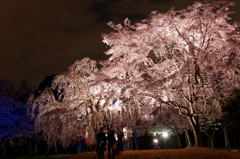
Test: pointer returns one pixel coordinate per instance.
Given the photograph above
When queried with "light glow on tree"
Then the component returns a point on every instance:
(187, 59)
(182, 61)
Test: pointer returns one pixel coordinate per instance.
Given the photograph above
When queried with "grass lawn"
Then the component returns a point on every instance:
(38, 157)
(187, 153)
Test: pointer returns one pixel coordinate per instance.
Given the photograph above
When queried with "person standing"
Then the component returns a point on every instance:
(101, 143)
(111, 142)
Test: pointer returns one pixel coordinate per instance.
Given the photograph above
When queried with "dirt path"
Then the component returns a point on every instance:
(188, 153)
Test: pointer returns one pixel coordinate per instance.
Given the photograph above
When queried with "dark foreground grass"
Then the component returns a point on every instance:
(187, 153)
(38, 157)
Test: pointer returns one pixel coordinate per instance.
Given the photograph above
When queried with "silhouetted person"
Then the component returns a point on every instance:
(83, 144)
(111, 141)
(120, 141)
(101, 143)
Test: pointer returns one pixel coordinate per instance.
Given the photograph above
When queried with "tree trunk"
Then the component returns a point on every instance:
(36, 147)
(211, 142)
(189, 143)
(196, 131)
(208, 142)
(226, 139)
(4, 149)
(179, 141)
(47, 151)
(55, 148)
(210, 138)
(29, 144)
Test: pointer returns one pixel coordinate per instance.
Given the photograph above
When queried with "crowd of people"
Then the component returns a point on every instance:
(108, 139)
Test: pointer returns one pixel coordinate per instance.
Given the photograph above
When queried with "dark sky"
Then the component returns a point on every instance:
(43, 37)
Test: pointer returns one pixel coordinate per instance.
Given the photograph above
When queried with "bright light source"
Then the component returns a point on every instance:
(165, 134)
(155, 141)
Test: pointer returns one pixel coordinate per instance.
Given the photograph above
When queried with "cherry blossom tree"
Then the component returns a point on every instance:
(83, 100)
(186, 59)
(209, 125)
(169, 118)
(59, 111)
(231, 114)
(77, 101)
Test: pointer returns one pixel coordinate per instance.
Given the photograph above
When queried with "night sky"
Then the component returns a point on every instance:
(43, 37)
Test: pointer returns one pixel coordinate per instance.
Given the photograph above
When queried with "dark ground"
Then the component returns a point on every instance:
(187, 153)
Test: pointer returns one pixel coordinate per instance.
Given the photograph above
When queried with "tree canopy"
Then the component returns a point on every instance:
(187, 60)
